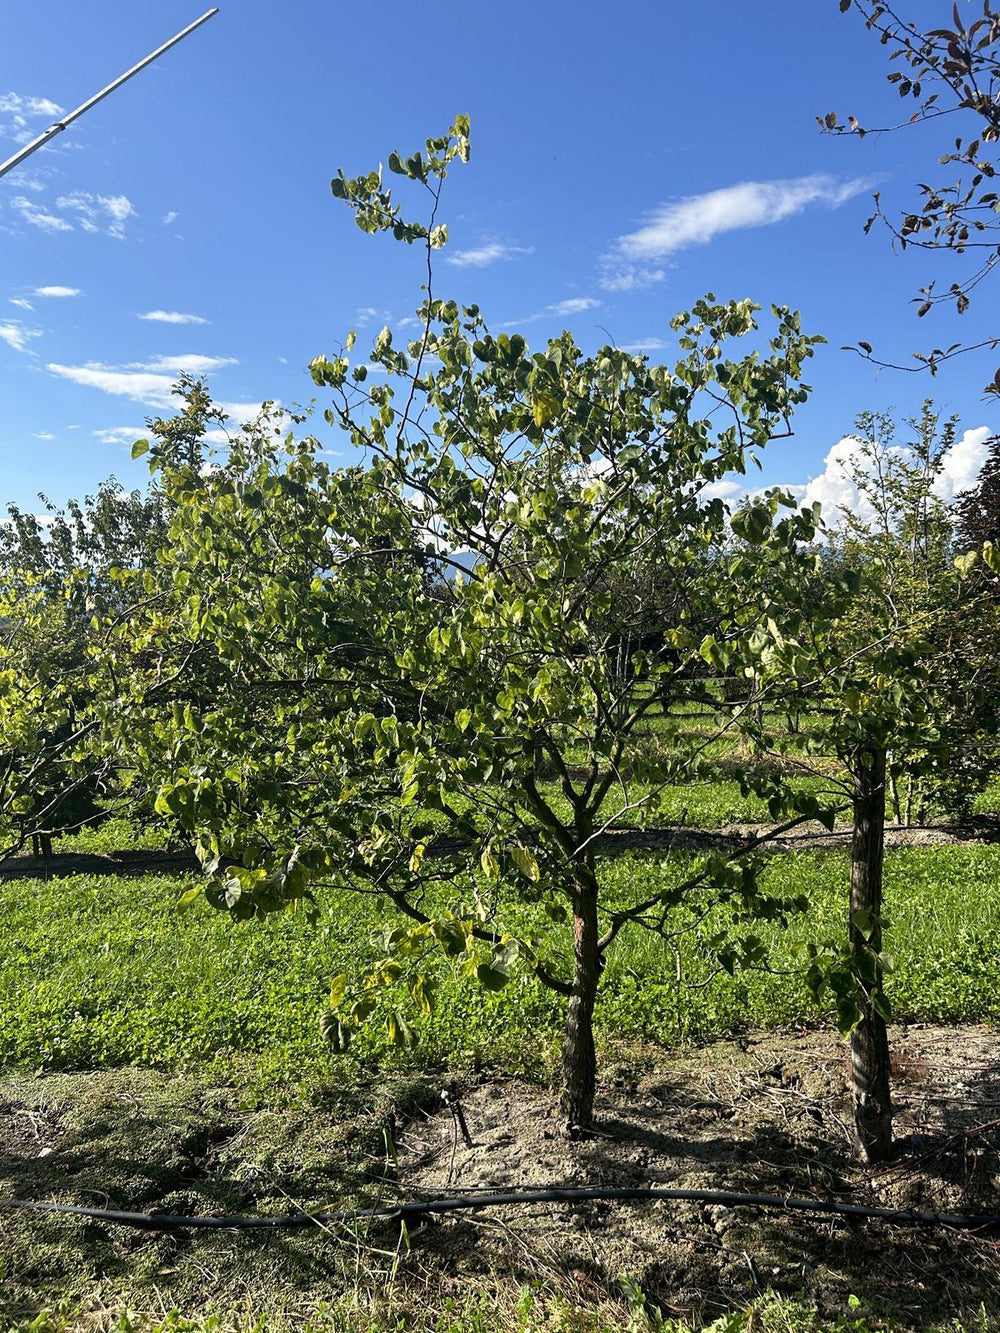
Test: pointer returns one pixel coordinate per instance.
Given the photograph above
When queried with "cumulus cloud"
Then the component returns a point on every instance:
(962, 464)
(99, 212)
(56, 291)
(170, 217)
(635, 259)
(491, 253)
(172, 317)
(837, 491)
(37, 216)
(15, 335)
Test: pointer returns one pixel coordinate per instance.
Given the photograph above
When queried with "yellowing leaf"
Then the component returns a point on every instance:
(545, 407)
(526, 863)
(338, 989)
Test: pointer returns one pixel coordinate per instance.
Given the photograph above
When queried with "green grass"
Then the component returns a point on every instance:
(100, 972)
(708, 804)
(529, 1311)
(115, 835)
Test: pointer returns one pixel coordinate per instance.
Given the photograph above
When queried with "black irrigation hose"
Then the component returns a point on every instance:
(402, 1211)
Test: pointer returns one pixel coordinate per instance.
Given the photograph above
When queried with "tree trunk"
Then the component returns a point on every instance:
(579, 1058)
(869, 1040)
(894, 794)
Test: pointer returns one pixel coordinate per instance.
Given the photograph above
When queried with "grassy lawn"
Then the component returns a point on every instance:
(100, 972)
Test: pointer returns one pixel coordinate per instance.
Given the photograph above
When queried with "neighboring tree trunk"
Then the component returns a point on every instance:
(869, 1040)
(41, 846)
(579, 1058)
(897, 814)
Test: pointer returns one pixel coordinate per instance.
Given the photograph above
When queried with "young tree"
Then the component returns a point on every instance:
(421, 655)
(895, 683)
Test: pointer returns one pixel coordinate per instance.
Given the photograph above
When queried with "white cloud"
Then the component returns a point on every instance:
(119, 434)
(574, 305)
(724, 490)
(645, 345)
(490, 253)
(56, 291)
(99, 212)
(38, 217)
(44, 435)
(618, 277)
(634, 260)
(150, 382)
(172, 317)
(142, 387)
(15, 335)
(240, 413)
(14, 104)
(170, 217)
(962, 464)
(21, 303)
(16, 112)
(188, 364)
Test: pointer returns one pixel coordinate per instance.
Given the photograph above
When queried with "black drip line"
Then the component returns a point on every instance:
(402, 1212)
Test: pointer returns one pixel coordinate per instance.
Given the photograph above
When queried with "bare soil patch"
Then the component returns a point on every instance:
(768, 1115)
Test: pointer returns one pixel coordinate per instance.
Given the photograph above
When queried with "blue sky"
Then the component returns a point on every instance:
(623, 164)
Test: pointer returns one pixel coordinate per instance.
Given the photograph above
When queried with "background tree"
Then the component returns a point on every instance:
(943, 74)
(58, 583)
(977, 510)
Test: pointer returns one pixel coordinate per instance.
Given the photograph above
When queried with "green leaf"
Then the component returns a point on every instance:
(334, 1032)
(139, 448)
(492, 977)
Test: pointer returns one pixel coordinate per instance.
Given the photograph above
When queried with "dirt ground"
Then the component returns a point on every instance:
(768, 1114)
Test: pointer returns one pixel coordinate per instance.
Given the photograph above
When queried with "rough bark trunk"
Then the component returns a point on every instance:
(579, 1057)
(869, 1040)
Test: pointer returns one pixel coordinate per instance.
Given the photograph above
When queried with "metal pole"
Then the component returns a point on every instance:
(60, 125)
